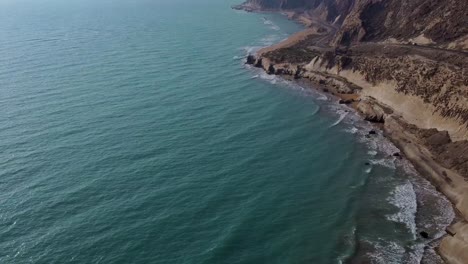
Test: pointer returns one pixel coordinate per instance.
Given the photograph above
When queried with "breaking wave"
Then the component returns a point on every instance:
(385, 162)
(404, 197)
(342, 114)
(271, 25)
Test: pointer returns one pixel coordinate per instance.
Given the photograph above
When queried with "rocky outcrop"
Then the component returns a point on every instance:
(371, 111)
(450, 154)
(250, 59)
(299, 71)
(429, 88)
(438, 138)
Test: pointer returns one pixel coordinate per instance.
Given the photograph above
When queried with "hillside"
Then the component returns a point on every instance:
(442, 23)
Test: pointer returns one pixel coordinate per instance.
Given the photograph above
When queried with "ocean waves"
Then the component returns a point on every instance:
(132, 133)
(404, 198)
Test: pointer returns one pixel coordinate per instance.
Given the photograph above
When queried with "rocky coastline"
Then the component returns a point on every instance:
(418, 96)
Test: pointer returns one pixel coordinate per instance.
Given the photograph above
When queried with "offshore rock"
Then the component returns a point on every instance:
(251, 59)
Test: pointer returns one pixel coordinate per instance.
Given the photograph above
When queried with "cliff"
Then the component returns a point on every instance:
(441, 23)
(428, 87)
(401, 63)
(437, 22)
(419, 94)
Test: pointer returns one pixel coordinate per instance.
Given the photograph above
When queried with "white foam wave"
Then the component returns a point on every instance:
(316, 110)
(251, 49)
(372, 152)
(352, 130)
(434, 203)
(269, 40)
(275, 27)
(266, 76)
(389, 163)
(270, 23)
(237, 57)
(387, 147)
(368, 170)
(342, 114)
(373, 145)
(390, 252)
(404, 197)
(322, 97)
(273, 79)
(416, 254)
(387, 253)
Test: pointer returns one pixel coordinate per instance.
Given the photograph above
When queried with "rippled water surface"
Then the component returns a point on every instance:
(131, 132)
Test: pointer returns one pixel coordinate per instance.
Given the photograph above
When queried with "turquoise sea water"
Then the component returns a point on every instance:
(131, 132)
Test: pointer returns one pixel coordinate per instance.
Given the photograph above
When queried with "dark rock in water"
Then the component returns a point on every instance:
(345, 101)
(271, 70)
(251, 59)
(258, 63)
(367, 164)
(325, 90)
(396, 154)
(298, 73)
(279, 72)
(372, 132)
(424, 234)
(374, 119)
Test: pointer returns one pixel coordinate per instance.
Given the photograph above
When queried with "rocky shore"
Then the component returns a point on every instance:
(418, 95)
(435, 144)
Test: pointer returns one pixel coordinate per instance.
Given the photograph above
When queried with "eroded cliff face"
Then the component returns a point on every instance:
(425, 22)
(419, 21)
(428, 87)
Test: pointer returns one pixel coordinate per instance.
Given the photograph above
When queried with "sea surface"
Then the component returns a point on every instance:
(132, 132)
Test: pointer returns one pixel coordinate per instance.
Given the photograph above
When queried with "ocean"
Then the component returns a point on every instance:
(132, 132)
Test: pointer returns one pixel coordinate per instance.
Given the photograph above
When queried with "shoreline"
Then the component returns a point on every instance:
(432, 243)
(404, 135)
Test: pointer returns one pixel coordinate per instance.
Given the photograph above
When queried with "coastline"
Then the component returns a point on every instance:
(404, 132)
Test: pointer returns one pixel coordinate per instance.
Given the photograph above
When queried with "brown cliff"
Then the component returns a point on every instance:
(441, 23)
